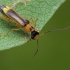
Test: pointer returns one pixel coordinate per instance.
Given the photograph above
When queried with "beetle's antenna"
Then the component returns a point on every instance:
(36, 50)
(55, 30)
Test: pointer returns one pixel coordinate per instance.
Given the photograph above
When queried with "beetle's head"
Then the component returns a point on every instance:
(34, 35)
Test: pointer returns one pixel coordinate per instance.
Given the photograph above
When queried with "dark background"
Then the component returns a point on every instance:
(54, 51)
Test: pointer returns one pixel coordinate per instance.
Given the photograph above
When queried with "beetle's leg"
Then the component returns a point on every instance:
(23, 1)
(33, 21)
(14, 4)
(9, 31)
(25, 34)
(6, 18)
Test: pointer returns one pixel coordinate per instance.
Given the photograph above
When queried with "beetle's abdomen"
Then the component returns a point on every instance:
(1, 8)
(13, 15)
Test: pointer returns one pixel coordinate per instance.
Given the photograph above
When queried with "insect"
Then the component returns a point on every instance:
(9, 13)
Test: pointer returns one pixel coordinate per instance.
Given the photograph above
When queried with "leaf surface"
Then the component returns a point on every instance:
(41, 9)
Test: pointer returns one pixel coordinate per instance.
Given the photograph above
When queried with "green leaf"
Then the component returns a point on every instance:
(41, 9)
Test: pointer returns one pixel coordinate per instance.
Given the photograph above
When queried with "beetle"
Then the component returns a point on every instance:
(9, 14)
